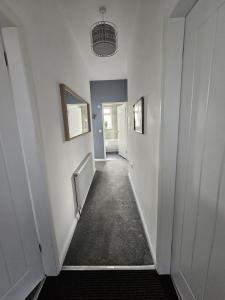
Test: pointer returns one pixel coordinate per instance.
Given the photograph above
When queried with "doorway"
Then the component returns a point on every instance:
(114, 118)
(110, 233)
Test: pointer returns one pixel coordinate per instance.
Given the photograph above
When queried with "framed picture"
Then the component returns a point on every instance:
(76, 113)
(138, 109)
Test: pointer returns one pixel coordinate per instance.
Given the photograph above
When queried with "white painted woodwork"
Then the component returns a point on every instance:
(198, 259)
(32, 148)
(122, 129)
(20, 259)
(172, 57)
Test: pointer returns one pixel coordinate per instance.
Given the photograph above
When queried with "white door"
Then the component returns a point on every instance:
(20, 258)
(122, 129)
(198, 259)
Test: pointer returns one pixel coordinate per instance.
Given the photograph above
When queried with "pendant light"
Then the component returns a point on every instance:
(104, 36)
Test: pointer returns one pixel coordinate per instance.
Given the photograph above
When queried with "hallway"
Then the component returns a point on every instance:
(112, 149)
(110, 230)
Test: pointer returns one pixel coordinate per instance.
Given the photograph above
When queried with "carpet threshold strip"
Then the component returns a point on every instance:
(96, 268)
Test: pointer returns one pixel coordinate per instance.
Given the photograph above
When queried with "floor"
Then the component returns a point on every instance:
(85, 285)
(112, 155)
(110, 230)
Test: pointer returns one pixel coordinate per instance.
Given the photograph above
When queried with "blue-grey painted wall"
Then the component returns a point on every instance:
(104, 91)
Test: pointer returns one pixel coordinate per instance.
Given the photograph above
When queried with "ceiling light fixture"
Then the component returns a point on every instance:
(104, 36)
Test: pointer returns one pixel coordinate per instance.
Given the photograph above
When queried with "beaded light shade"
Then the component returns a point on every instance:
(104, 37)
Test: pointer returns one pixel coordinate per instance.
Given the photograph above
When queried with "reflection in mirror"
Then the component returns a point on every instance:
(139, 116)
(75, 113)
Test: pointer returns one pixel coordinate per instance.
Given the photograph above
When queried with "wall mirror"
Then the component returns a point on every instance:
(139, 116)
(76, 113)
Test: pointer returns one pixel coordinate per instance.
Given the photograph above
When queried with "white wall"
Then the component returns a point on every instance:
(145, 79)
(54, 58)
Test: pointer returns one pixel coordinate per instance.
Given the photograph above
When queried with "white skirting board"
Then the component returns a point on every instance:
(143, 220)
(100, 159)
(176, 289)
(68, 239)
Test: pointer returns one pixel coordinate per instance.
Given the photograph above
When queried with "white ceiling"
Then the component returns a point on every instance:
(81, 14)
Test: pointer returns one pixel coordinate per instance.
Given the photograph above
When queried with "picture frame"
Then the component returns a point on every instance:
(138, 111)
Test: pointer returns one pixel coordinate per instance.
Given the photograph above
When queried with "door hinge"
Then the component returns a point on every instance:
(6, 59)
(40, 247)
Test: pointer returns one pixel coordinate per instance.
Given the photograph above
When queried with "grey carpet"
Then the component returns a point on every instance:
(112, 155)
(110, 230)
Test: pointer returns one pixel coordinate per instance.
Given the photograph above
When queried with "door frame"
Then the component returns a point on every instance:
(173, 43)
(174, 24)
(23, 91)
(103, 127)
(126, 129)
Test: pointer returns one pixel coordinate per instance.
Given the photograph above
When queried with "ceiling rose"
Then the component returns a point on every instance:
(104, 37)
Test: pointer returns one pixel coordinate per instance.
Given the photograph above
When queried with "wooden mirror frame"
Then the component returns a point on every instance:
(63, 89)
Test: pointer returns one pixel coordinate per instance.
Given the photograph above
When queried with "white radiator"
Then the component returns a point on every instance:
(83, 177)
(111, 145)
